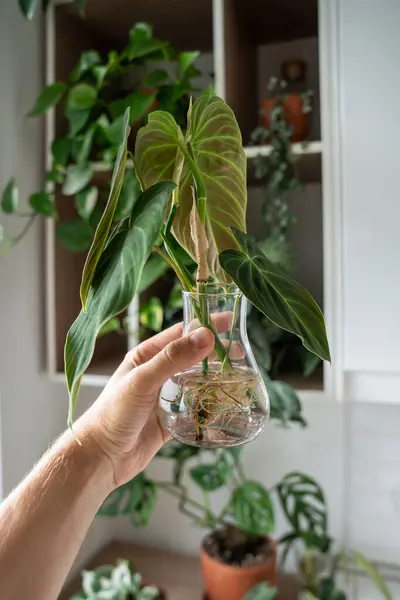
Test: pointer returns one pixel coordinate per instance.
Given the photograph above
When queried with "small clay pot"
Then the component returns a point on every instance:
(293, 115)
(227, 582)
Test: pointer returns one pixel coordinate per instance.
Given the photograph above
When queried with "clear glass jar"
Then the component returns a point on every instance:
(221, 401)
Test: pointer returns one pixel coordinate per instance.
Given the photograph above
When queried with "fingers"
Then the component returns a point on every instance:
(177, 356)
(221, 322)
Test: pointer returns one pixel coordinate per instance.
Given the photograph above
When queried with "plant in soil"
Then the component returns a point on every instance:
(116, 581)
(191, 200)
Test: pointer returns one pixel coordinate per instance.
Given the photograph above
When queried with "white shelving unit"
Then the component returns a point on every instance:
(234, 35)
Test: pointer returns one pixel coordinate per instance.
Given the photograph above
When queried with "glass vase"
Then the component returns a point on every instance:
(222, 401)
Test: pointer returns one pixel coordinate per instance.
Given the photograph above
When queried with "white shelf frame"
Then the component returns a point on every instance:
(329, 149)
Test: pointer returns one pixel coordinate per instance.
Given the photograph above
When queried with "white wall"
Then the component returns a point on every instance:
(33, 411)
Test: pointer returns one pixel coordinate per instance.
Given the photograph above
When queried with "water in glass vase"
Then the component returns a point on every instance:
(223, 400)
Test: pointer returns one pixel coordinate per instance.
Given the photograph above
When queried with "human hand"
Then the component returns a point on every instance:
(124, 421)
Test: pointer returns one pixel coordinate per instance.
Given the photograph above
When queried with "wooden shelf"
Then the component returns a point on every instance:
(187, 24)
(179, 575)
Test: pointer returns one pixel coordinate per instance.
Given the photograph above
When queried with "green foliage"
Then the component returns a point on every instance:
(43, 204)
(119, 582)
(137, 498)
(75, 235)
(278, 297)
(372, 572)
(262, 591)
(212, 476)
(252, 509)
(209, 158)
(48, 98)
(10, 197)
(152, 314)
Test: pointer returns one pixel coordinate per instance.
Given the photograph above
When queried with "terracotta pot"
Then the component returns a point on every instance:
(293, 114)
(226, 582)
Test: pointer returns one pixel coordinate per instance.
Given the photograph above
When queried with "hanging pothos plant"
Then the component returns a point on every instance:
(192, 196)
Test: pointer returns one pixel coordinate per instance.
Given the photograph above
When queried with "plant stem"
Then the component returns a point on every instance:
(180, 493)
(13, 241)
(240, 470)
(175, 266)
(226, 364)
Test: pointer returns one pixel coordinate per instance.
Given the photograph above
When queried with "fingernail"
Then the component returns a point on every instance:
(200, 337)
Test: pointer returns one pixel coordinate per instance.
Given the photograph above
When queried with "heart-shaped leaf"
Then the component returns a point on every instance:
(61, 148)
(103, 228)
(10, 197)
(285, 302)
(304, 505)
(77, 177)
(77, 119)
(115, 282)
(185, 60)
(48, 98)
(209, 158)
(211, 477)
(81, 97)
(43, 204)
(252, 509)
(139, 104)
(262, 591)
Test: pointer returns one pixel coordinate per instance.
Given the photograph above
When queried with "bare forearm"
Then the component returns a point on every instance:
(44, 521)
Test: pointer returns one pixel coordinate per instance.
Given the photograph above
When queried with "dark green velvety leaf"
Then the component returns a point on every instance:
(85, 202)
(10, 197)
(115, 282)
(77, 177)
(86, 61)
(151, 314)
(252, 509)
(285, 405)
(48, 98)
(185, 60)
(81, 96)
(60, 149)
(304, 505)
(75, 235)
(103, 228)
(153, 270)
(28, 8)
(77, 119)
(262, 591)
(130, 192)
(285, 302)
(43, 204)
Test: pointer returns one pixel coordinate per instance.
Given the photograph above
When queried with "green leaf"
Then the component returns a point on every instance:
(86, 201)
(153, 270)
(180, 454)
(252, 509)
(113, 325)
(151, 314)
(139, 104)
(281, 299)
(10, 197)
(285, 405)
(81, 97)
(77, 177)
(77, 119)
(373, 573)
(48, 98)
(75, 235)
(185, 60)
(43, 204)
(141, 43)
(115, 131)
(261, 591)
(86, 147)
(115, 282)
(86, 61)
(28, 8)
(60, 149)
(216, 166)
(103, 228)
(130, 192)
(156, 77)
(212, 476)
(125, 499)
(304, 505)
(56, 175)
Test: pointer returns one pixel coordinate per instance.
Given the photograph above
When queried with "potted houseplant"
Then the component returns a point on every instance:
(294, 106)
(116, 582)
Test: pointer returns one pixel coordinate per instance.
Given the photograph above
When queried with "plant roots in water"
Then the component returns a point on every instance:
(214, 410)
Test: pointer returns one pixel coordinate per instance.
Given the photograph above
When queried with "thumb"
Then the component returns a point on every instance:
(177, 356)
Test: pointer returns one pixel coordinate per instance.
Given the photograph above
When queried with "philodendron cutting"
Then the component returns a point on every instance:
(192, 201)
